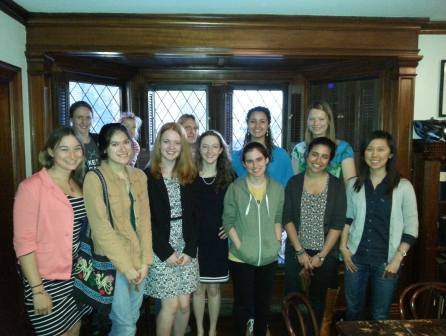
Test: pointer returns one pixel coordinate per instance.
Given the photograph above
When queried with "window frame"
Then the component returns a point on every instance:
(63, 84)
(284, 87)
(170, 86)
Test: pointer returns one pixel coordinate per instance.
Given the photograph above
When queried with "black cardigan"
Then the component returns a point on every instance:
(160, 215)
(335, 210)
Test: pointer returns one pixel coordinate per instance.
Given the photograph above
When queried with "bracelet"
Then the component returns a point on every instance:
(40, 284)
(321, 258)
(300, 252)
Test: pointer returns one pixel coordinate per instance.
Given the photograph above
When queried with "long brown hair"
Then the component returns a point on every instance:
(269, 141)
(184, 167)
(225, 173)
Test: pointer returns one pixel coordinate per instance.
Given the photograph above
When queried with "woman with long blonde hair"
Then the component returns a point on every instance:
(320, 123)
(174, 274)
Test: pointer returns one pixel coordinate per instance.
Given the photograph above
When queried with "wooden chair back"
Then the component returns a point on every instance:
(299, 316)
(423, 300)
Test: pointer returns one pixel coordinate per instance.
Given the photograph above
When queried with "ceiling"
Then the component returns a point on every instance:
(435, 10)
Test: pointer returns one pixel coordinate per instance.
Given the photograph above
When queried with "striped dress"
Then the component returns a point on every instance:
(65, 313)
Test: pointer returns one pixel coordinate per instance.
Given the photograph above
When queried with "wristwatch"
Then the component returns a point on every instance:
(403, 253)
(321, 258)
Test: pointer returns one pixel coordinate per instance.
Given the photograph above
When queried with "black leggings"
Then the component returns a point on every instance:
(253, 290)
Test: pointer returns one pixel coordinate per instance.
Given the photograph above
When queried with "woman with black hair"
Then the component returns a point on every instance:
(128, 242)
(258, 120)
(314, 216)
(382, 224)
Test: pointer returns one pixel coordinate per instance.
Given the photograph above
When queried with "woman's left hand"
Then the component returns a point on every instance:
(315, 261)
(184, 260)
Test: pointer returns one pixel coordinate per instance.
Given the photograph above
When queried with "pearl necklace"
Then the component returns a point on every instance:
(209, 183)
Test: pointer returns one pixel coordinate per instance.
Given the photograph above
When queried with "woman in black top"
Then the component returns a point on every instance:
(314, 215)
(215, 174)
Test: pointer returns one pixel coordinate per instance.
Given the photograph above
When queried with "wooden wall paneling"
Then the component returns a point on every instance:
(435, 27)
(12, 75)
(12, 314)
(224, 34)
(429, 158)
(217, 118)
(403, 115)
(41, 120)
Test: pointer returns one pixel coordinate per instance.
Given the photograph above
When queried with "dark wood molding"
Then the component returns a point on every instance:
(13, 76)
(434, 27)
(40, 107)
(223, 35)
(15, 11)
(95, 68)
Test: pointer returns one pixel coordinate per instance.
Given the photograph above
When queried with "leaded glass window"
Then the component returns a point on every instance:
(244, 100)
(168, 104)
(104, 99)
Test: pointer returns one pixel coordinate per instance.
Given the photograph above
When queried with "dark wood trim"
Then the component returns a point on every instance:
(15, 11)
(223, 35)
(13, 75)
(97, 69)
(434, 27)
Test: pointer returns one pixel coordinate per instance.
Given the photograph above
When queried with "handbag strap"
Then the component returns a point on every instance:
(104, 194)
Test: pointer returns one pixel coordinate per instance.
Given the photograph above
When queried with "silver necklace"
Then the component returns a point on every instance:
(208, 183)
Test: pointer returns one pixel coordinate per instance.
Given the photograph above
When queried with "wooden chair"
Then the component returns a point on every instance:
(423, 300)
(299, 316)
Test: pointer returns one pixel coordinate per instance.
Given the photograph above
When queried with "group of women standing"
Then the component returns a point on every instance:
(190, 204)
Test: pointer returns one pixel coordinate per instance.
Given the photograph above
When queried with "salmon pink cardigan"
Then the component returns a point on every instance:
(43, 224)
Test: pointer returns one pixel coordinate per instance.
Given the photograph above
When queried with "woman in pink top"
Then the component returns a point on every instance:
(48, 215)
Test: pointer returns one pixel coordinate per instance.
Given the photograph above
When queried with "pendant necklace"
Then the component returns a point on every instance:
(208, 183)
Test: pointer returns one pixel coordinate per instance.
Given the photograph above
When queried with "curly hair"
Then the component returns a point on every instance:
(184, 167)
(225, 173)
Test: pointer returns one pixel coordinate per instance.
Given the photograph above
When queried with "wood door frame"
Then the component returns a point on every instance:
(13, 75)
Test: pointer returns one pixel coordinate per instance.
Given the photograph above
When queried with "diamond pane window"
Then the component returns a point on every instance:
(104, 99)
(243, 101)
(168, 105)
